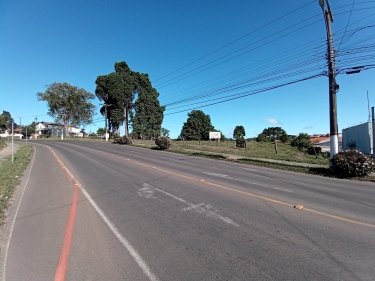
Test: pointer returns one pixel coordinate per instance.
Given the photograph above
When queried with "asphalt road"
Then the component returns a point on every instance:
(144, 214)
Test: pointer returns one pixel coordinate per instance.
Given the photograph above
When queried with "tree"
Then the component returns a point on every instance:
(68, 104)
(100, 131)
(3, 122)
(148, 115)
(164, 132)
(129, 79)
(110, 90)
(118, 91)
(239, 132)
(30, 129)
(6, 120)
(272, 134)
(197, 126)
(302, 141)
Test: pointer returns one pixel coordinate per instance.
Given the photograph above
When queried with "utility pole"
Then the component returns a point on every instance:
(126, 121)
(12, 141)
(106, 128)
(334, 143)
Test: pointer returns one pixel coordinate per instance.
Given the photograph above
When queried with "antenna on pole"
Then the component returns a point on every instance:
(368, 105)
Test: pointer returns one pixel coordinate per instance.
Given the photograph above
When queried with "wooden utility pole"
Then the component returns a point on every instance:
(334, 143)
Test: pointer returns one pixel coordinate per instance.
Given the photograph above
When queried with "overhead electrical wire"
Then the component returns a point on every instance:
(162, 85)
(240, 38)
(234, 41)
(245, 94)
(350, 15)
(224, 90)
(310, 61)
(353, 23)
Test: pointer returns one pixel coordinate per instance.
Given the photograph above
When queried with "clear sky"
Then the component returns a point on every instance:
(196, 53)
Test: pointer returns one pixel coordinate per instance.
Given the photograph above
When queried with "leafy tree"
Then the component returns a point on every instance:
(118, 91)
(3, 123)
(302, 141)
(239, 132)
(197, 126)
(109, 89)
(164, 132)
(6, 120)
(100, 131)
(148, 114)
(129, 79)
(272, 134)
(30, 129)
(68, 104)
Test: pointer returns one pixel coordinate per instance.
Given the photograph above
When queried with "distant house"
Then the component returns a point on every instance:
(17, 133)
(45, 128)
(53, 129)
(324, 142)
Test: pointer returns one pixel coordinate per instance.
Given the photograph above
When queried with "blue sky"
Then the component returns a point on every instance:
(191, 49)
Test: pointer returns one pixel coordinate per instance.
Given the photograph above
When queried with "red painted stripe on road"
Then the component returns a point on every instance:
(63, 262)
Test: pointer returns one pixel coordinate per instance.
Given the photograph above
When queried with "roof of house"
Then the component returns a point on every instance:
(319, 139)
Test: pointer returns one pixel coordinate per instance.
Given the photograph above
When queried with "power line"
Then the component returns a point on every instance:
(162, 85)
(236, 40)
(184, 91)
(245, 94)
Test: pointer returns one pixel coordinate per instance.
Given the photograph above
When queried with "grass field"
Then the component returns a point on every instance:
(254, 150)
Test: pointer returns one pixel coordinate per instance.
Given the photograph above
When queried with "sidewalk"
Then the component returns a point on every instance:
(7, 151)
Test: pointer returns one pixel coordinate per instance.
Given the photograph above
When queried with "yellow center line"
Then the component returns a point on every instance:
(247, 193)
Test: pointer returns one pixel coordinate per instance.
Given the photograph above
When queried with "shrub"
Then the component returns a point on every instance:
(163, 142)
(352, 163)
(301, 142)
(123, 140)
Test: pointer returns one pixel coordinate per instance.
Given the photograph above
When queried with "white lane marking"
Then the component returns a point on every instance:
(133, 252)
(9, 236)
(209, 211)
(177, 160)
(202, 208)
(281, 189)
(217, 175)
(263, 171)
(147, 191)
(254, 183)
(248, 169)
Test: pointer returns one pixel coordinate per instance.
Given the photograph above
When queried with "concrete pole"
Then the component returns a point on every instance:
(373, 131)
(334, 142)
(12, 141)
(106, 126)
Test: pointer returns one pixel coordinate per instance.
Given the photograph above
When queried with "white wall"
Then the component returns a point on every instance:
(361, 135)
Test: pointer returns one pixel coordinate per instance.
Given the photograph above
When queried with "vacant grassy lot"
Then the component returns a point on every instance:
(254, 150)
(10, 175)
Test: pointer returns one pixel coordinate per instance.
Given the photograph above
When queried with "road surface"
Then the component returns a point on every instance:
(100, 211)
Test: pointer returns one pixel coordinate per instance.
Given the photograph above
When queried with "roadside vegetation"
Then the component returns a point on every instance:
(10, 175)
(2, 144)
